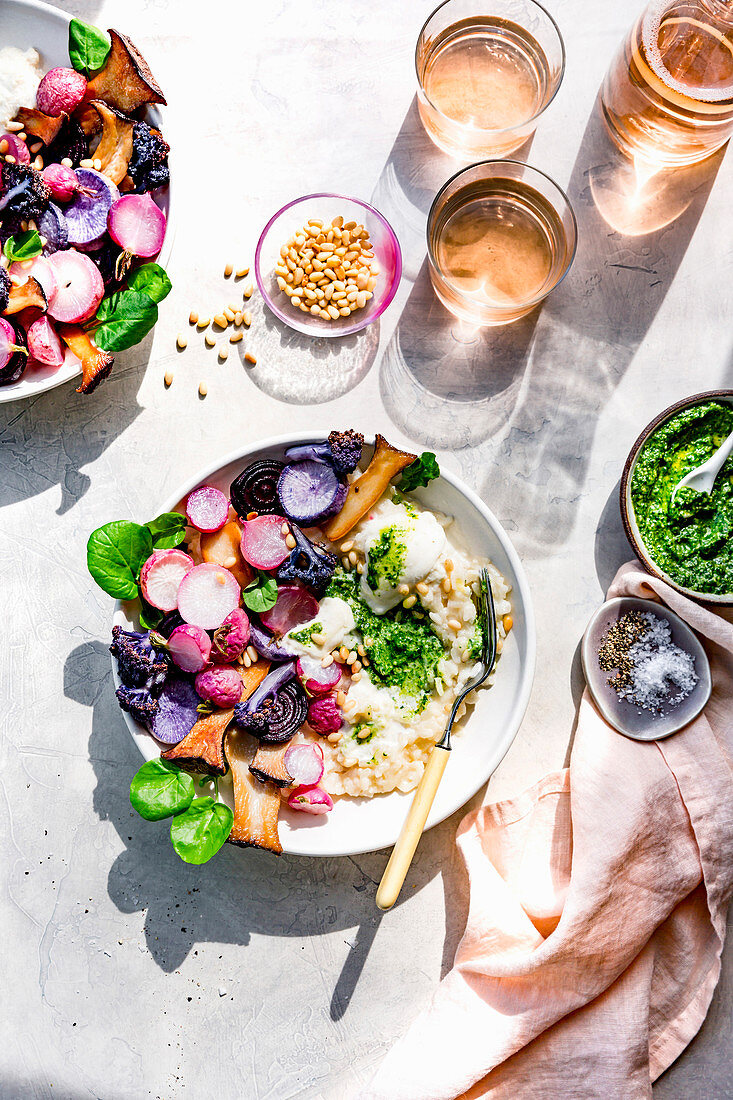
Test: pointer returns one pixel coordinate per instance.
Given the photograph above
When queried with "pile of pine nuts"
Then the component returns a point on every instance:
(328, 271)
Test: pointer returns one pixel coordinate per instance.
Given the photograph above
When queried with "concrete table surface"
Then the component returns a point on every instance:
(126, 973)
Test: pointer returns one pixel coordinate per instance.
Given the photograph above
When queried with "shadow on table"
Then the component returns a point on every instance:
(48, 439)
(240, 892)
(304, 370)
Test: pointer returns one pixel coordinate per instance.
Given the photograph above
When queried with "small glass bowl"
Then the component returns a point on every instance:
(290, 220)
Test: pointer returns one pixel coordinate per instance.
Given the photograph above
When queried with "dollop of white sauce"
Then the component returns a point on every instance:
(335, 621)
(20, 75)
(424, 541)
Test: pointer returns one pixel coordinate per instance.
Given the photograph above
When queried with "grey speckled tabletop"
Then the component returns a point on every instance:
(127, 974)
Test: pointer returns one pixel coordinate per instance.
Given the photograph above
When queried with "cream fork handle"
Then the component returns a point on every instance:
(408, 840)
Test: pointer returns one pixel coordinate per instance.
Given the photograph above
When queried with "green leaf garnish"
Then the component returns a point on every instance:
(160, 789)
(261, 594)
(124, 319)
(168, 530)
(199, 832)
(23, 246)
(150, 279)
(420, 472)
(150, 617)
(115, 555)
(88, 47)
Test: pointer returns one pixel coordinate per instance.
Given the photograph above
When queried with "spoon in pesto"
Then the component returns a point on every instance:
(399, 862)
(702, 478)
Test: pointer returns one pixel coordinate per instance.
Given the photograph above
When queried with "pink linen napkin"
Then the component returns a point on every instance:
(597, 912)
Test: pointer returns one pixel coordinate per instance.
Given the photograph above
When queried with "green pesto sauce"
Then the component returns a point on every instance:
(476, 644)
(688, 538)
(403, 650)
(305, 635)
(387, 558)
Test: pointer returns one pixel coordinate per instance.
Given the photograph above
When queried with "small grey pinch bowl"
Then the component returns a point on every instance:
(626, 717)
(628, 517)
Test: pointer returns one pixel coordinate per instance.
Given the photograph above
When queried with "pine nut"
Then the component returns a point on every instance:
(247, 319)
(352, 557)
(247, 292)
(203, 322)
(403, 589)
(422, 588)
(508, 622)
(448, 565)
(237, 319)
(409, 602)
(356, 676)
(290, 542)
(246, 661)
(241, 272)
(228, 269)
(340, 698)
(334, 738)
(203, 389)
(230, 315)
(97, 164)
(346, 546)
(236, 337)
(15, 127)
(220, 320)
(454, 624)
(67, 161)
(182, 342)
(209, 340)
(250, 358)
(168, 378)
(446, 584)
(252, 653)
(356, 666)
(193, 317)
(224, 353)
(317, 637)
(327, 661)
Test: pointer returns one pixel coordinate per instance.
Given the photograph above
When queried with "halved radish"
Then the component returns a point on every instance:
(137, 224)
(316, 679)
(189, 647)
(80, 287)
(207, 509)
(41, 269)
(304, 763)
(207, 595)
(263, 542)
(312, 800)
(44, 343)
(293, 606)
(161, 576)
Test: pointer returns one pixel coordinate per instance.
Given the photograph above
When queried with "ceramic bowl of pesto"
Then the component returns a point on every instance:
(688, 541)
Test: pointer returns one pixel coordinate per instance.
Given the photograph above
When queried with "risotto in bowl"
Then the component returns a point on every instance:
(383, 648)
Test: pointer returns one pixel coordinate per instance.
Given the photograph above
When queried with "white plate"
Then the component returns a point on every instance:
(366, 824)
(26, 24)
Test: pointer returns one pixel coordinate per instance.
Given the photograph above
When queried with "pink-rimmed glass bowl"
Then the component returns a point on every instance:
(290, 220)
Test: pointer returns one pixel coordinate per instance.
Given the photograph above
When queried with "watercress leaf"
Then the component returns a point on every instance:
(199, 832)
(115, 555)
(23, 246)
(420, 472)
(124, 319)
(261, 594)
(168, 530)
(88, 47)
(150, 617)
(152, 280)
(161, 789)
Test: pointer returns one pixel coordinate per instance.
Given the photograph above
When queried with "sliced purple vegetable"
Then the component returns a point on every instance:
(177, 712)
(266, 645)
(13, 353)
(276, 678)
(86, 214)
(309, 452)
(53, 228)
(310, 491)
(279, 717)
(255, 489)
(207, 509)
(308, 563)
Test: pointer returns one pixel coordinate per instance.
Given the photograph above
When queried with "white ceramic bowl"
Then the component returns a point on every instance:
(362, 824)
(26, 24)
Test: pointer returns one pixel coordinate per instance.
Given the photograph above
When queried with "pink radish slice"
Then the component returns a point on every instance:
(207, 595)
(263, 542)
(293, 606)
(161, 576)
(17, 148)
(304, 763)
(44, 343)
(137, 224)
(80, 287)
(316, 679)
(189, 647)
(207, 509)
(312, 800)
(41, 269)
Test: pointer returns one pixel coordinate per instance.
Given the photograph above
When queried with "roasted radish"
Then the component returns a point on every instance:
(304, 762)
(137, 224)
(293, 606)
(189, 647)
(207, 509)
(316, 679)
(207, 595)
(263, 542)
(312, 800)
(44, 343)
(79, 287)
(161, 576)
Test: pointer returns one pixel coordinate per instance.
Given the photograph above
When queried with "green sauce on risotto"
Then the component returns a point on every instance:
(387, 558)
(305, 635)
(403, 650)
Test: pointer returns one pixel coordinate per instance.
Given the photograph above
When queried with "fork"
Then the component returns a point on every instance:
(409, 838)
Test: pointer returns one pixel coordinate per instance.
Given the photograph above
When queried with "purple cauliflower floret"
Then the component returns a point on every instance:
(345, 448)
(308, 564)
(139, 703)
(138, 662)
(4, 289)
(25, 194)
(324, 715)
(148, 165)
